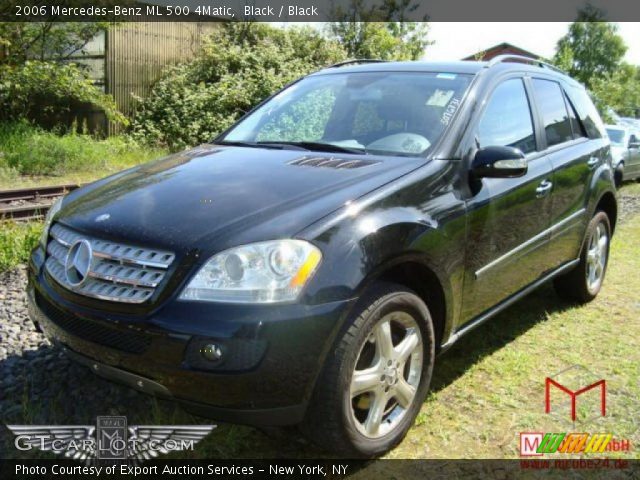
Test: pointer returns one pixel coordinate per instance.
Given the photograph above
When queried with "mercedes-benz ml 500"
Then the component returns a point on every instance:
(307, 265)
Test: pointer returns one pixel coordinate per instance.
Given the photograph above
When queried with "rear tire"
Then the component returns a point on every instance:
(583, 283)
(374, 381)
(618, 175)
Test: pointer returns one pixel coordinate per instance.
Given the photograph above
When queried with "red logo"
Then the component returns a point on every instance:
(573, 394)
(529, 443)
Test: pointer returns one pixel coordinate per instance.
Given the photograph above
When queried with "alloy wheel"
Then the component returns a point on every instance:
(597, 257)
(386, 375)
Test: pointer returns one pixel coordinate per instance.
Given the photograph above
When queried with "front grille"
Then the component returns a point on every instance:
(117, 272)
(331, 162)
(131, 342)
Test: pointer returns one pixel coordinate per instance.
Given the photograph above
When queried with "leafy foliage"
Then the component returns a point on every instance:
(36, 79)
(363, 33)
(619, 91)
(592, 52)
(22, 41)
(240, 65)
(37, 89)
(16, 242)
(592, 47)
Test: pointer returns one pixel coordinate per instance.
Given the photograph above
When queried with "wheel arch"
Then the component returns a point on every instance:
(415, 274)
(609, 205)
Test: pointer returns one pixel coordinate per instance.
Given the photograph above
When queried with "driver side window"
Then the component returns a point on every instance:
(506, 121)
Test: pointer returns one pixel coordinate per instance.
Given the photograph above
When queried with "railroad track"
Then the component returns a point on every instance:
(30, 203)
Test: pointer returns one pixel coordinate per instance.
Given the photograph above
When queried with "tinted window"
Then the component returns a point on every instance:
(586, 111)
(576, 125)
(507, 119)
(557, 125)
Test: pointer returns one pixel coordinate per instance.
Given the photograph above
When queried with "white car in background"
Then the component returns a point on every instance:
(625, 151)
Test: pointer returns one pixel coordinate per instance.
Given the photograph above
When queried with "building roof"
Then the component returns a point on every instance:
(501, 49)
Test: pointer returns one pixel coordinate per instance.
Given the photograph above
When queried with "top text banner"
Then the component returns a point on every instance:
(312, 10)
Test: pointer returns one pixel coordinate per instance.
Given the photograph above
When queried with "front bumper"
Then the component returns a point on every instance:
(271, 355)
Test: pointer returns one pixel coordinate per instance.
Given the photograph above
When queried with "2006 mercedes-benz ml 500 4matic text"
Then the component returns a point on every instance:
(307, 266)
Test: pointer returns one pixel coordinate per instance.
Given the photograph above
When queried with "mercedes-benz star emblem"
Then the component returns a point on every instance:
(78, 263)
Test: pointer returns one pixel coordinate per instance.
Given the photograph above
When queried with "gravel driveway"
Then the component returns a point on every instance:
(38, 385)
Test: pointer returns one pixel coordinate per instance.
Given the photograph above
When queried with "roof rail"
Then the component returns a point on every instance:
(523, 59)
(355, 61)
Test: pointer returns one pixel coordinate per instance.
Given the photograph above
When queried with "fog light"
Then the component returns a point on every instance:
(211, 352)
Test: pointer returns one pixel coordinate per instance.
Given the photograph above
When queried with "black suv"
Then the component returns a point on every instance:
(307, 265)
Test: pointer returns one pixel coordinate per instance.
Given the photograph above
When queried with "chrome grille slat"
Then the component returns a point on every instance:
(118, 273)
(114, 272)
(115, 251)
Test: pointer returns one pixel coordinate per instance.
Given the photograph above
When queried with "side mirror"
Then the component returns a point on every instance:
(499, 162)
(634, 144)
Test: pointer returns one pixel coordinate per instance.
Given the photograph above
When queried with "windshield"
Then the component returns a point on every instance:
(396, 113)
(616, 136)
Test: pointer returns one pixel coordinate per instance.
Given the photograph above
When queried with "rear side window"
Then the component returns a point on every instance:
(576, 125)
(506, 120)
(555, 117)
(586, 111)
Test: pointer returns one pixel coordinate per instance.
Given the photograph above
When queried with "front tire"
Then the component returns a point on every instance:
(583, 283)
(375, 380)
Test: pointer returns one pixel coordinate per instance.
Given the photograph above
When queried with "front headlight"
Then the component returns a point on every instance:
(55, 208)
(265, 272)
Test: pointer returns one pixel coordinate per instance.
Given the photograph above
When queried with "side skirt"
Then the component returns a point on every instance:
(482, 318)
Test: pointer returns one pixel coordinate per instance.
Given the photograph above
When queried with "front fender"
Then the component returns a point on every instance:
(364, 242)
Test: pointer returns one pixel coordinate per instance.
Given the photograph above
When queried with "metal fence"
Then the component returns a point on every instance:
(136, 54)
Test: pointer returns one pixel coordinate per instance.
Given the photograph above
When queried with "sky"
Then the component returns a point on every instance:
(456, 40)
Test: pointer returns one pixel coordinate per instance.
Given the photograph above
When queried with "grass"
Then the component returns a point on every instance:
(16, 242)
(30, 156)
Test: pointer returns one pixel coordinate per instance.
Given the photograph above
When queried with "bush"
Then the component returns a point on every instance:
(16, 242)
(240, 65)
(47, 90)
(28, 150)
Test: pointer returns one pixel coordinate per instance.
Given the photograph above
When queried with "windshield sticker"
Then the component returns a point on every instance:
(447, 76)
(440, 98)
(450, 111)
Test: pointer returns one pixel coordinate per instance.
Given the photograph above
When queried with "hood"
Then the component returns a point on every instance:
(233, 195)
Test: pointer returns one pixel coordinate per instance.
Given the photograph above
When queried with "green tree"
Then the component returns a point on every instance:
(38, 79)
(619, 91)
(45, 41)
(380, 31)
(240, 65)
(591, 48)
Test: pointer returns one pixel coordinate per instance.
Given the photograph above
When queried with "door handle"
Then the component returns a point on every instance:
(593, 161)
(544, 188)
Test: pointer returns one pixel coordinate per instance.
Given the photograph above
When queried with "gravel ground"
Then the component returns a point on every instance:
(38, 385)
(629, 203)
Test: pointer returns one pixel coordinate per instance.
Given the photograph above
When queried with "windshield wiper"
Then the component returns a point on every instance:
(323, 147)
(247, 144)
